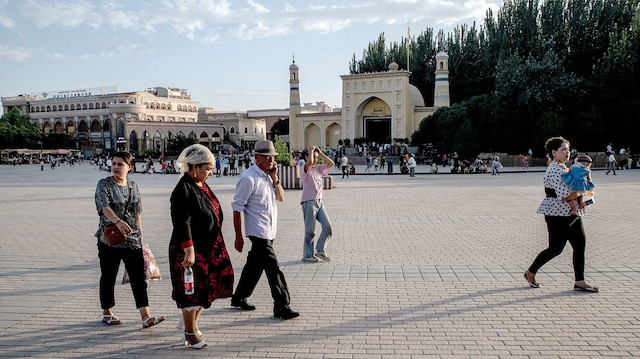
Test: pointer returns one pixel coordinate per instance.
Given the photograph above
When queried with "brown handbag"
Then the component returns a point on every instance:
(111, 232)
(113, 235)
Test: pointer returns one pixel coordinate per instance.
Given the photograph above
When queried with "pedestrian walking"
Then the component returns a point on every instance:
(561, 225)
(197, 243)
(611, 161)
(257, 191)
(412, 165)
(313, 206)
(344, 163)
(118, 202)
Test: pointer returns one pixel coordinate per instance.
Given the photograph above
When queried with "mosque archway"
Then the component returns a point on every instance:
(333, 134)
(374, 121)
(312, 135)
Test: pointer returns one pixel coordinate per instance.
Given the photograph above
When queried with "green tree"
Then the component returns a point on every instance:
(57, 140)
(16, 130)
(284, 156)
(280, 127)
(177, 144)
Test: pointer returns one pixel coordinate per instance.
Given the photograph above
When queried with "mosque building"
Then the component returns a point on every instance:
(379, 106)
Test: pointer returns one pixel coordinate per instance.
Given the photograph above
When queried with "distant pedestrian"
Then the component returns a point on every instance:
(376, 163)
(434, 168)
(313, 206)
(412, 165)
(561, 225)
(495, 168)
(368, 163)
(344, 163)
(611, 162)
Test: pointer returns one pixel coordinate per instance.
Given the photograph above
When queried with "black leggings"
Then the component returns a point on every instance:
(110, 263)
(561, 230)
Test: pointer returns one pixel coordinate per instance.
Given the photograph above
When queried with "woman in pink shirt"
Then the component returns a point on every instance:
(312, 205)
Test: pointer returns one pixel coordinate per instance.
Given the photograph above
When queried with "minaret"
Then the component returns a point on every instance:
(441, 93)
(295, 132)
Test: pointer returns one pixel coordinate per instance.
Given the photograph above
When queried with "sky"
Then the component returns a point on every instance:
(229, 55)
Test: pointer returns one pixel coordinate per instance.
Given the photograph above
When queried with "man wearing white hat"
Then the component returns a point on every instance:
(257, 190)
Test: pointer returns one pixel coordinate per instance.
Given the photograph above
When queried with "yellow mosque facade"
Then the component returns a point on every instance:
(379, 106)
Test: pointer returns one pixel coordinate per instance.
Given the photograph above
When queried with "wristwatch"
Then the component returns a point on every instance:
(276, 183)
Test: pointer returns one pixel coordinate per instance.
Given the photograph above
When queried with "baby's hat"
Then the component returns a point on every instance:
(584, 158)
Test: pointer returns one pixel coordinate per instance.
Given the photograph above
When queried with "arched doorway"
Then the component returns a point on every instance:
(133, 143)
(312, 135)
(58, 128)
(333, 134)
(71, 127)
(376, 121)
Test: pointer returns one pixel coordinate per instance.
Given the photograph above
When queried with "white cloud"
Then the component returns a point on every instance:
(62, 13)
(206, 20)
(5, 19)
(86, 56)
(14, 53)
(57, 56)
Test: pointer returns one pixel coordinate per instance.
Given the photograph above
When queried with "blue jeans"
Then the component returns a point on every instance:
(314, 210)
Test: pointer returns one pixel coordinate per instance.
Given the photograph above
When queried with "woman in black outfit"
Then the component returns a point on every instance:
(197, 242)
(562, 226)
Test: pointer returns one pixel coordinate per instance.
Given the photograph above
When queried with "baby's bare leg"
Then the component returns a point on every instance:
(581, 202)
(572, 204)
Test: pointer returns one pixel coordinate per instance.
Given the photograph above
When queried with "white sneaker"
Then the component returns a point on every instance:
(309, 259)
(323, 256)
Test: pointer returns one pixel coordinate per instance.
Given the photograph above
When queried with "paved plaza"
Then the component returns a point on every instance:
(424, 267)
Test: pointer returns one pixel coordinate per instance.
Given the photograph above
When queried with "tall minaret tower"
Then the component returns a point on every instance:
(441, 93)
(295, 132)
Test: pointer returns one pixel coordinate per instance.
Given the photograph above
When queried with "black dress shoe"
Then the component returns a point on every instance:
(242, 304)
(285, 313)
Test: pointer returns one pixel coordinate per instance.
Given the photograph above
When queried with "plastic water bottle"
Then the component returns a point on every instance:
(188, 281)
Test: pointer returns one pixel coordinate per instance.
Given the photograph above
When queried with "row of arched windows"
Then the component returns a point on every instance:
(67, 107)
(163, 106)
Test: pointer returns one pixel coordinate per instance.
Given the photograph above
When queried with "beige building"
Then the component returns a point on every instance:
(380, 107)
(102, 119)
(240, 129)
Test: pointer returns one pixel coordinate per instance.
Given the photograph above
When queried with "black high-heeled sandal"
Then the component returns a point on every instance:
(531, 284)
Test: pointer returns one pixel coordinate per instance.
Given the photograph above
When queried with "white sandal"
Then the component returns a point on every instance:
(180, 327)
(200, 345)
(156, 320)
(110, 319)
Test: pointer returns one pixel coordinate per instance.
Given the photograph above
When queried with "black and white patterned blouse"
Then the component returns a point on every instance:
(110, 194)
(556, 206)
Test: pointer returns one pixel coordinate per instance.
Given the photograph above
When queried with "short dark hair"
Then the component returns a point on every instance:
(554, 143)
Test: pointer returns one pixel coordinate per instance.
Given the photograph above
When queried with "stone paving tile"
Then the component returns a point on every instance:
(428, 267)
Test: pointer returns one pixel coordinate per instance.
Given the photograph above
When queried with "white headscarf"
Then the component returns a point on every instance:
(194, 154)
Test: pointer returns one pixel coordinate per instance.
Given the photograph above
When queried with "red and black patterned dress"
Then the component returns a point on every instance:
(197, 220)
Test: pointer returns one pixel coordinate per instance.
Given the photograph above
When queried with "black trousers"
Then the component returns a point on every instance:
(561, 230)
(261, 258)
(133, 259)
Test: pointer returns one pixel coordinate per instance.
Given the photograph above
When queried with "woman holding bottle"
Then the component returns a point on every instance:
(197, 243)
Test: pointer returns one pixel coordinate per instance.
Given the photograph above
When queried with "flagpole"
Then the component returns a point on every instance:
(408, 43)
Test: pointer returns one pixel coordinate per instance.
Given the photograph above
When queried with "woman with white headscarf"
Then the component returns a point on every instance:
(197, 242)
